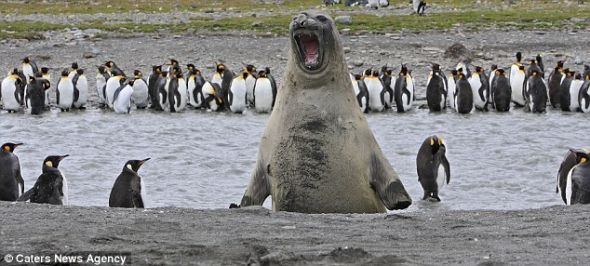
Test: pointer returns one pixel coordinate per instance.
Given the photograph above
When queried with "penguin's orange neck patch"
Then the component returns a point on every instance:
(6, 148)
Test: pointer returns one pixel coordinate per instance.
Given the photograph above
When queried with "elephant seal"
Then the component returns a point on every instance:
(317, 153)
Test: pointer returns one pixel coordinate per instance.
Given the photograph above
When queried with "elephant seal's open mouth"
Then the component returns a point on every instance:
(309, 46)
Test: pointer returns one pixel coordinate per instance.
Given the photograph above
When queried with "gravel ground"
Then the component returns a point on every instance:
(551, 236)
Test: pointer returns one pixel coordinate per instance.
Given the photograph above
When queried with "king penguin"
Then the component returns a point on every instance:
(419, 7)
(479, 85)
(518, 81)
(404, 90)
(73, 70)
(576, 187)
(223, 77)
(584, 96)
(502, 93)
(29, 68)
(122, 97)
(113, 83)
(452, 90)
(564, 88)
(555, 79)
(195, 82)
(433, 167)
(153, 88)
(238, 92)
(51, 186)
(264, 94)
(250, 82)
(113, 69)
(126, 192)
(35, 96)
(177, 92)
(101, 82)
(10, 91)
(140, 96)
(361, 92)
(12, 184)
(376, 91)
(45, 75)
(80, 89)
(65, 92)
(211, 99)
(386, 79)
(536, 92)
(464, 98)
(436, 89)
(574, 93)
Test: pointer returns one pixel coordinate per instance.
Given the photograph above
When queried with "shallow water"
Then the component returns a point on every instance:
(203, 160)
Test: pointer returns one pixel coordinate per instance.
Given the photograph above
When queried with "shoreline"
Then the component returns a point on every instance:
(548, 236)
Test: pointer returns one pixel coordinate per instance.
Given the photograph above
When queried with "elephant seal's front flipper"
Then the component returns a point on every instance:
(387, 184)
(259, 187)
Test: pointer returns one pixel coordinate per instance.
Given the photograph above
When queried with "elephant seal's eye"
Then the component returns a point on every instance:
(322, 18)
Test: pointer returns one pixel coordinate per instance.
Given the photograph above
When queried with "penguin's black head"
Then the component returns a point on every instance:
(9, 147)
(435, 67)
(437, 144)
(220, 68)
(164, 73)
(245, 74)
(578, 76)
(53, 161)
(461, 75)
(173, 62)
(65, 73)
(44, 70)
(539, 58)
(518, 56)
(358, 77)
(261, 74)
(454, 72)
(102, 69)
(110, 64)
(403, 70)
(311, 39)
(559, 64)
(533, 62)
(26, 60)
(478, 69)
(267, 70)
(117, 72)
(190, 67)
(137, 74)
(14, 71)
(38, 75)
(582, 156)
(157, 69)
(494, 67)
(179, 75)
(250, 68)
(375, 73)
(75, 65)
(500, 72)
(368, 72)
(80, 71)
(134, 165)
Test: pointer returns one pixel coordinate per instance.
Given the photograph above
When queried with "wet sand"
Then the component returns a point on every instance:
(173, 236)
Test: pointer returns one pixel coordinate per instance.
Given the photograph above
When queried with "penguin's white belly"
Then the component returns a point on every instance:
(140, 94)
(263, 96)
(191, 86)
(100, 82)
(9, 99)
(82, 86)
(164, 98)
(517, 85)
(217, 79)
(441, 177)
(574, 94)
(181, 103)
(375, 88)
(66, 95)
(568, 187)
(65, 199)
(475, 86)
(451, 93)
(238, 90)
(250, 83)
(122, 103)
(408, 99)
(112, 85)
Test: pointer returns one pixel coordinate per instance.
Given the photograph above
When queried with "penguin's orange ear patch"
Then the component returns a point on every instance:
(582, 160)
(49, 164)
(6, 148)
(431, 141)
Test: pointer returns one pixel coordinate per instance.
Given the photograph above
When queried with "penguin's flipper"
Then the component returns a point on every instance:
(76, 94)
(447, 166)
(57, 95)
(136, 194)
(27, 195)
(259, 188)
(20, 181)
(116, 94)
(387, 184)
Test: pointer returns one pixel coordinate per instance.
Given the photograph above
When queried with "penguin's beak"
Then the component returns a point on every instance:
(63, 157)
(143, 161)
(18, 144)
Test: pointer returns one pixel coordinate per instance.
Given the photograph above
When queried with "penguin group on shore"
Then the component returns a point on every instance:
(377, 92)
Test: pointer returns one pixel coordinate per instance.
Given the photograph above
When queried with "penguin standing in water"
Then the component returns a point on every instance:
(536, 93)
(386, 78)
(113, 83)
(273, 84)
(140, 96)
(46, 76)
(250, 82)
(177, 92)
(264, 94)
(564, 88)
(404, 90)
(464, 96)
(223, 77)
(479, 85)
(195, 82)
(29, 68)
(419, 7)
(433, 167)
(35, 99)
(376, 91)
(584, 96)
(153, 89)
(501, 91)
(122, 98)
(575, 189)
(211, 100)
(10, 91)
(12, 184)
(126, 192)
(80, 89)
(238, 92)
(436, 89)
(452, 89)
(555, 79)
(101, 83)
(113, 69)
(361, 92)
(51, 186)
(518, 81)
(574, 94)
(65, 92)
